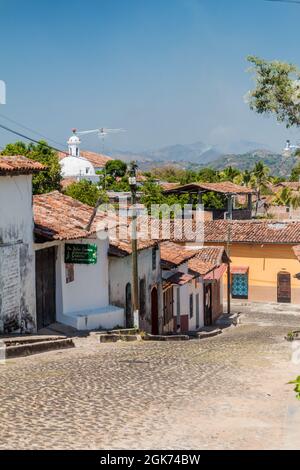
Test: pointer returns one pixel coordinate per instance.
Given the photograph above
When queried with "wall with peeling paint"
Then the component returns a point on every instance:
(120, 273)
(17, 262)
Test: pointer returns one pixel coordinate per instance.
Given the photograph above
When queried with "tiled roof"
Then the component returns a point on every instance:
(166, 186)
(173, 255)
(177, 279)
(122, 248)
(19, 165)
(97, 159)
(67, 182)
(225, 187)
(59, 217)
(207, 259)
(171, 230)
(293, 185)
(252, 231)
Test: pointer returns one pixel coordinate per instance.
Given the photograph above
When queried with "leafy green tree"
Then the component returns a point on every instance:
(86, 192)
(277, 90)
(116, 168)
(152, 194)
(208, 175)
(44, 181)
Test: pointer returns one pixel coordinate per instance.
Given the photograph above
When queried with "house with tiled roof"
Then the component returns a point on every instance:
(149, 281)
(192, 286)
(17, 269)
(265, 263)
(71, 253)
(232, 197)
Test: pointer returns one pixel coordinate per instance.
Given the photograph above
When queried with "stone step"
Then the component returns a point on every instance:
(27, 348)
(114, 338)
(126, 332)
(149, 337)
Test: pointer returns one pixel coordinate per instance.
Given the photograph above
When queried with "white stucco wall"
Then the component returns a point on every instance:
(17, 261)
(120, 274)
(196, 288)
(89, 290)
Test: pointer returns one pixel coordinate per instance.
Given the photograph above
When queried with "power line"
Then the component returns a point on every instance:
(19, 134)
(30, 130)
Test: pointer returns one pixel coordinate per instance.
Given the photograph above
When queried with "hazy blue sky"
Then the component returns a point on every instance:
(169, 71)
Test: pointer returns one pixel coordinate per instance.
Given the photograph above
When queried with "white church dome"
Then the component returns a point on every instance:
(76, 167)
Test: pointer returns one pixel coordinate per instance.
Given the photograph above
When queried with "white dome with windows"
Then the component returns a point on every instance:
(76, 167)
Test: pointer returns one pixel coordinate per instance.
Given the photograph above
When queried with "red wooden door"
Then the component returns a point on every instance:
(284, 290)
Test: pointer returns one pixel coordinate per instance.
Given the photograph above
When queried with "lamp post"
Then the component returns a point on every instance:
(135, 277)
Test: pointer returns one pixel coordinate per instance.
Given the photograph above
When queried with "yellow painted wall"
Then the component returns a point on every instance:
(265, 262)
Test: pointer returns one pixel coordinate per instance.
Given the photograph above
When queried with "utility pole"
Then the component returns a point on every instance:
(134, 245)
(229, 220)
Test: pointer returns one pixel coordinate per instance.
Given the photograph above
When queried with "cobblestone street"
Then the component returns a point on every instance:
(227, 392)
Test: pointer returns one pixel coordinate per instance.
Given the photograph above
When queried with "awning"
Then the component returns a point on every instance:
(239, 269)
(216, 274)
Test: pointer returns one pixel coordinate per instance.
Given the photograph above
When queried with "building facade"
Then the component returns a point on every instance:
(17, 272)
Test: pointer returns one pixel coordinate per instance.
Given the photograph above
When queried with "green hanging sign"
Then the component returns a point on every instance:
(80, 254)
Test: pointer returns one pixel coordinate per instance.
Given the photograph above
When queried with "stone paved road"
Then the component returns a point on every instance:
(227, 392)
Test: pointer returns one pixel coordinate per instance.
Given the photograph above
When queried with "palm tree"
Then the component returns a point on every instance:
(260, 180)
(229, 173)
(286, 197)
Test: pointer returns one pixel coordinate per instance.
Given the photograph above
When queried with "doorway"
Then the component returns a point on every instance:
(45, 287)
(197, 312)
(284, 289)
(154, 312)
(207, 305)
(128, 306)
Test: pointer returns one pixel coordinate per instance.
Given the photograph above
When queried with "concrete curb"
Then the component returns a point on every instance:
(29, 348)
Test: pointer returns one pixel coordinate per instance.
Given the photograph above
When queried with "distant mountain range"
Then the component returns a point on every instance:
(241, 154)
(198, 153)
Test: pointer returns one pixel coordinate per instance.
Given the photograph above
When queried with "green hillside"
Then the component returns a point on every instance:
(279, 165)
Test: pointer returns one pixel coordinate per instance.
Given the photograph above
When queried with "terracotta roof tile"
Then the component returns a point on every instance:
(207, 259)
(177, 279)
(252, 231)
(59, 217)
(122, 248)
(19, 165)
(173, 255)
(226, 187)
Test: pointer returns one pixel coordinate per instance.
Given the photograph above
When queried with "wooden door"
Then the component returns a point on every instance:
(284, 290)
(154, 312)
(207, 305)
(45, 287)
(168, 307)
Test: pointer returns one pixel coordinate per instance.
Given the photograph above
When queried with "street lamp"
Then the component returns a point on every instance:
(135, 277)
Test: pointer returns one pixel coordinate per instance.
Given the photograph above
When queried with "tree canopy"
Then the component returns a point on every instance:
(44, 181)
(116, 168)
(277, 90)
(86, 192)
